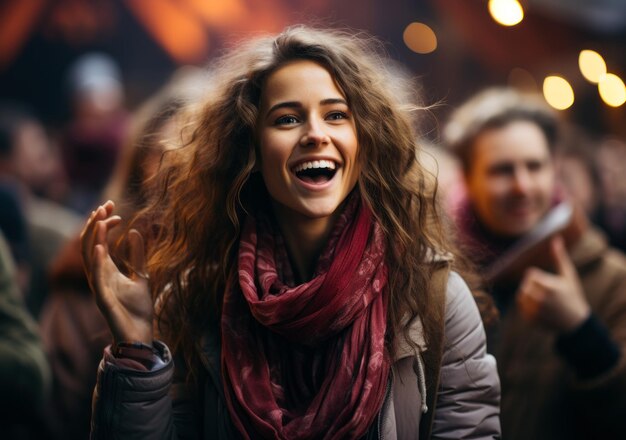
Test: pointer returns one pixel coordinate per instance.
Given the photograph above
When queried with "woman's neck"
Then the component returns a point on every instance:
(305, 239)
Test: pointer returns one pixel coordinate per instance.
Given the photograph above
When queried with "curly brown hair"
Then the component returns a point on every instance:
(209, 185)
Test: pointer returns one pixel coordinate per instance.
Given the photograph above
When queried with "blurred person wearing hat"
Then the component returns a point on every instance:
(93, 137)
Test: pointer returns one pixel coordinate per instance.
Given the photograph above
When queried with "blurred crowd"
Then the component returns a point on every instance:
(504, 168)
(51, 332)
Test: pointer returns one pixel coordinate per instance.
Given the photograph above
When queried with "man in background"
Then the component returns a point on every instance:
(560, 289)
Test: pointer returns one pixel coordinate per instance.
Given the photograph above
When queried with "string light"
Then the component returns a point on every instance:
(506, 12)
(612, 90)
(591, 65)
(558, 92)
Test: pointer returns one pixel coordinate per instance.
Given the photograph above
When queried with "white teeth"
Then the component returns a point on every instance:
(315, 164)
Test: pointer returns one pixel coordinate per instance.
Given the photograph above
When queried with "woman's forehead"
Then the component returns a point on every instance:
(297, 81)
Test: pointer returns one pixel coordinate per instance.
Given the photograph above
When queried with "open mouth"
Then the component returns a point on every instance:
(316, 171)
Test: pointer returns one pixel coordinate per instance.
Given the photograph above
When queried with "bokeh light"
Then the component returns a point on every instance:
(420, 38)
(591, 65)
(506, 12)
(612, 90)
(558, 92)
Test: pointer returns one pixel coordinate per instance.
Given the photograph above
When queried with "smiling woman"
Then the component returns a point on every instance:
(308, 146)
(300, 273)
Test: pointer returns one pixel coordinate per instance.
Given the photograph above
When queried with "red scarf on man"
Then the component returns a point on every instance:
(307, 361)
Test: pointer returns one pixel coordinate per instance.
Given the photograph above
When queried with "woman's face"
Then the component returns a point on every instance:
(307, 140)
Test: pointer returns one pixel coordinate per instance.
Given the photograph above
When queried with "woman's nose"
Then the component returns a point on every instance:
(315, 134)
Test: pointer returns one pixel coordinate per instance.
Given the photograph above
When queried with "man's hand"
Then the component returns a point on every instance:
(555, 301)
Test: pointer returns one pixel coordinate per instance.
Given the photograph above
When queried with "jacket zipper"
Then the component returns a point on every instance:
(421, 381)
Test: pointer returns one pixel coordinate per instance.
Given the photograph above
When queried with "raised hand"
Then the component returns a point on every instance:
(555, 301)
(124, 301)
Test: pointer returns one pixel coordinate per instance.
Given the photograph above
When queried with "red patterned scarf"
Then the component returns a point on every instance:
(308, 360)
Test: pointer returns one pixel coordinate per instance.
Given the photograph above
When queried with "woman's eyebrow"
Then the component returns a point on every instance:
(288, 104)
(333, 101)
(297, 104)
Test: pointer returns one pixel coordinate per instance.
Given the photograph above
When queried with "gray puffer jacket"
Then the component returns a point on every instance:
(130, 404)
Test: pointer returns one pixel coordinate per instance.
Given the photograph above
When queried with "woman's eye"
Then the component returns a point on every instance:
(286, 120)
(333, 116)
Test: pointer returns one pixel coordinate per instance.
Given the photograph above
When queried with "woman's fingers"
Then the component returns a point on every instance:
(108, 206)
(95, 233)
(87, 234)
(102, 230)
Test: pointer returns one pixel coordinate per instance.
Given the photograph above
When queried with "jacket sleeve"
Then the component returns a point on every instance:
(24, 371)
(600, 401)
(468, 403)
(133, 404)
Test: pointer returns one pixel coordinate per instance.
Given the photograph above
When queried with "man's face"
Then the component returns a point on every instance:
(510, 180)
